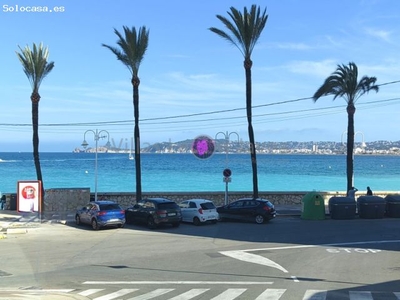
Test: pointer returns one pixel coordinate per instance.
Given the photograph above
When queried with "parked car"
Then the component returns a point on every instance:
(198, 211)
(248, 209)
(100, 214)
(153, 212)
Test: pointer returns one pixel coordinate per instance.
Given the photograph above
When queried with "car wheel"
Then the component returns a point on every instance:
(196, 221)
(150, 223)
(176, 224)
(95, 226)
(77, 220)
(259, 219)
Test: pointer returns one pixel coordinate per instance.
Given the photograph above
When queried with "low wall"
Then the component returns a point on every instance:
(277, 198)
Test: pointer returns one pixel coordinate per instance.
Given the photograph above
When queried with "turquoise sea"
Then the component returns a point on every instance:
(184, 172)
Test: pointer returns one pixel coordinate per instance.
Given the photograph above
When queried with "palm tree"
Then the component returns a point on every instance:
(344, 83)
(131, 51)
(244, 32)
(36, 67)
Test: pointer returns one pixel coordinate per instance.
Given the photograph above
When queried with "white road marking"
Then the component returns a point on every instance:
(152, 294)
(90, 292)
(321, 245)
(397, 294)
(315, 295)
(179, 282)
(190, 294)
(294, 278)
(229, 294)
(271, 294)
(253, 258)
(360, 295)
(116, 294)
(243, 255)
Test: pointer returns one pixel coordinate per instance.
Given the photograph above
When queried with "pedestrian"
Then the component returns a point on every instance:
(369, 191)
(352, 193)
(2, 202)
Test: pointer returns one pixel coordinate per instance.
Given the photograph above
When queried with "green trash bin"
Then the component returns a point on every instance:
(313, 207)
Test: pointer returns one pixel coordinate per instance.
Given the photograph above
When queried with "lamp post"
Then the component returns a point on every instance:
(97, 136)
(227, 172)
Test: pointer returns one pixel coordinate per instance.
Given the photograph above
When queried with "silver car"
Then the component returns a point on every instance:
(198, 211)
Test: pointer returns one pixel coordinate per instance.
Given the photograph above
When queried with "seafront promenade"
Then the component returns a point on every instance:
(61, 204)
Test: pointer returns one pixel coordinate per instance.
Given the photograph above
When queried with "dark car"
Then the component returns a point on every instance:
(153, 212)
(100, 214)
(248, 209)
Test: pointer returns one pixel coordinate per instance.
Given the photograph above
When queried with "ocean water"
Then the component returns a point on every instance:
(184, 172)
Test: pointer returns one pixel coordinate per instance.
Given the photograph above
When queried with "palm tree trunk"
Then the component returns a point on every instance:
(350, 144)
(135, 83)
(247, 65)
(35, 97)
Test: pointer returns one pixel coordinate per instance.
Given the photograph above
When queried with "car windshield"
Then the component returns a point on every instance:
(207, 205)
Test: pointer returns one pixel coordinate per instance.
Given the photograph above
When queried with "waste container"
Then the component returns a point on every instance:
(371, 207)
(393, 206)
(341, 208)
(313, 207)
(13, 201)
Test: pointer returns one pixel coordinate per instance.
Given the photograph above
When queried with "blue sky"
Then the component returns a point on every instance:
(190, 70)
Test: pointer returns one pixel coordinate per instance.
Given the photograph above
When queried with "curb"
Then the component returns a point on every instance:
(17, 231)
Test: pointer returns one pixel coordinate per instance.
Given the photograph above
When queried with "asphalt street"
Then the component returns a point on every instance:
(288, 258)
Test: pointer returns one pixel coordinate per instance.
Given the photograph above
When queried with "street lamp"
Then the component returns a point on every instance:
(97, 136)
(363, 144)
(226, 178)
(227, 135)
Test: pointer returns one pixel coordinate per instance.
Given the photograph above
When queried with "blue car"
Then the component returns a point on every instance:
(100, 214)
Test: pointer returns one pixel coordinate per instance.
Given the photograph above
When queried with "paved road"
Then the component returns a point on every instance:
(288, 258)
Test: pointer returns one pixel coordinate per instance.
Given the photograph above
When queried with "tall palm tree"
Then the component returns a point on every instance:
(36, 67)
(344, 83)
(243, 32)
(132, 48)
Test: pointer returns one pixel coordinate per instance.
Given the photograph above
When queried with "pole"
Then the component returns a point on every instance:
(96, 137)
(85, 144)
(226, 192)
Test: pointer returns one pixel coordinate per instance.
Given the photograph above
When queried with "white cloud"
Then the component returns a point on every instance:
(291, 46)
(380, 34)
(313, 68)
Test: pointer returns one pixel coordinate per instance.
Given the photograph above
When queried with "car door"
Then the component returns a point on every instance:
(92, 212)
(249, 209)
(85, 214)
(136, 211)
(184, 205)
(234, 210)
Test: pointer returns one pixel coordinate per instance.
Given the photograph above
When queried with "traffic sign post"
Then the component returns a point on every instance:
(227, 178)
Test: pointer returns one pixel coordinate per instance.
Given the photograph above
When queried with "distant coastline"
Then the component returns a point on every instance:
(232, 147)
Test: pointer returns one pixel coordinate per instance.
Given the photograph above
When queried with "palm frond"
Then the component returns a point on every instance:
(35, 64)
(132, 47)
(245, 28)
(344, 83)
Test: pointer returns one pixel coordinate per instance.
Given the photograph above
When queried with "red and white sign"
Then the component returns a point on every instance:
(29, 195)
